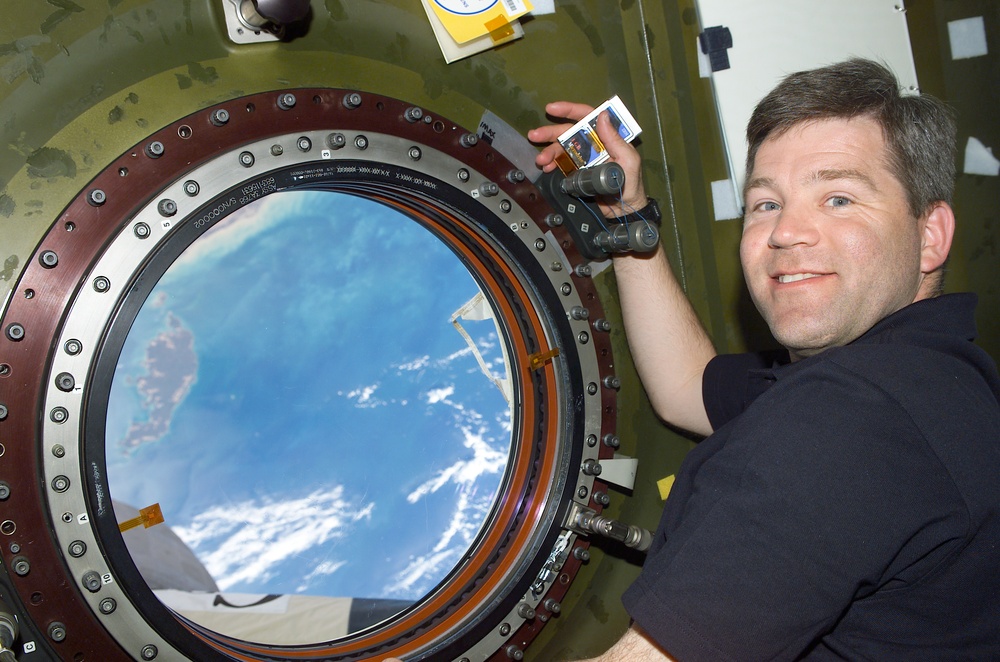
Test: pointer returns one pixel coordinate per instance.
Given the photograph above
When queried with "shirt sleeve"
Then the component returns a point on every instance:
(819, 495)
(724, 386)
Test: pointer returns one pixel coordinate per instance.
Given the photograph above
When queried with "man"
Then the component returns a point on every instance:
(846, 504)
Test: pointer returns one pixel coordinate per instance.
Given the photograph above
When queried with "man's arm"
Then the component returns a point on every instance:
(668, 343)
(634, 646)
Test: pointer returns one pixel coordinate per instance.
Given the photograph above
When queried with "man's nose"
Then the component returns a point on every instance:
(794, 226)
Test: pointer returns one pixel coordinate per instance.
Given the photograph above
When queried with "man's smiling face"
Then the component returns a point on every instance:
(829, 245)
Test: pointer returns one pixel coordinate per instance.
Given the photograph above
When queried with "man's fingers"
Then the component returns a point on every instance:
(627, 157)
(568, 110)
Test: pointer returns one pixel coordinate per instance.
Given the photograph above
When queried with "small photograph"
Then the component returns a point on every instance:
(581, 143)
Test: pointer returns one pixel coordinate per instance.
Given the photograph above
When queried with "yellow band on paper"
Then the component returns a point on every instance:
(499, 28)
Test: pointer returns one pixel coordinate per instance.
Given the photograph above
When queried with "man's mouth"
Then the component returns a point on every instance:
(792, 278)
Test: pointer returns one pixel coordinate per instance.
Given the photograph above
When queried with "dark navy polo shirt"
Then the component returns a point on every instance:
(847, 506)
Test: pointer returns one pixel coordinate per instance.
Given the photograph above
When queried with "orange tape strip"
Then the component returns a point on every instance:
(499, 29)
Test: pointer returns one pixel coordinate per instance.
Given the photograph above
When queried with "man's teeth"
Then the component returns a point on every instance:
(791, 278)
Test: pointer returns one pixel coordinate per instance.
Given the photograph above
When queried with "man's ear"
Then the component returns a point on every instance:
(936, 236)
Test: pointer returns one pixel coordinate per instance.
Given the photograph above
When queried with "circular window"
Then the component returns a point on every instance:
(319, 384)
(242, 363)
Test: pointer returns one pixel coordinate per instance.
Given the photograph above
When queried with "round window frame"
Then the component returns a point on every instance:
(438, 173)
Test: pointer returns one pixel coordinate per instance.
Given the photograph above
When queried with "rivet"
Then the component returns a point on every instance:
(191, 188)
(167, 207)
(219, 117)
(59, 415)
(21, 566)
(361, 142)
(352, 100)
(65, 382)
(102, 284)
(48, 259)
(97, 197)
(14, 332)
(336, 140)
(57, 632)
(91, 581)
(286, 101)
(304, 144)
(141, 230)
(246, 159)
(60, 483)
(77, 548)
(155, 149)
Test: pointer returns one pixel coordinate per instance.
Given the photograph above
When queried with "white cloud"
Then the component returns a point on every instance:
(470, 508)
(364, 397)
(245, 542)
(437, 395)
(415, 364)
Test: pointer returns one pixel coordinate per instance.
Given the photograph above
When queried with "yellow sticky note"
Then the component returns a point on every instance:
(468, 19)
(664, 485)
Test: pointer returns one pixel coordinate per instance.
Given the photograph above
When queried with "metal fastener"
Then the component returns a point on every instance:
(57, 632)
(48, 259)
(97, 197)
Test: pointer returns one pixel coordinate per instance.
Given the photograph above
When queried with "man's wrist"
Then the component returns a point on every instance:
(649, 213)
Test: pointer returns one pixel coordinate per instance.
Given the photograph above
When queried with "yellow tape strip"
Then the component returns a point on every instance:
(499, 28)
(538, 360)
(148, 516)
(664, 485)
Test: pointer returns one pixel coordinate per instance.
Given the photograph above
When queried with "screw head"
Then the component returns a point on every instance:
(155, 149)
(57, 632)
(48, 259)
(14, 332)
(220, 117)
(167, 207)
(91, 581)
(21, 566)
(65, 382)
(97, 197)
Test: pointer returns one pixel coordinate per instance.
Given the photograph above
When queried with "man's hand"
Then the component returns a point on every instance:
(633, 197)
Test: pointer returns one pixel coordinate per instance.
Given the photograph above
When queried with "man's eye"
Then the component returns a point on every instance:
(839, 201)
(768, 206)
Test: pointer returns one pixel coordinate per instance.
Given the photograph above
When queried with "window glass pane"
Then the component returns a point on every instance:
(296, 398)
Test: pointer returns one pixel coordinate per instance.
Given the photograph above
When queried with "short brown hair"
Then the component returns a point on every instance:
(919, 130)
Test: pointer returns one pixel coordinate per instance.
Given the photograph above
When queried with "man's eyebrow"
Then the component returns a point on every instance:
(758, 182)
(833, 174)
